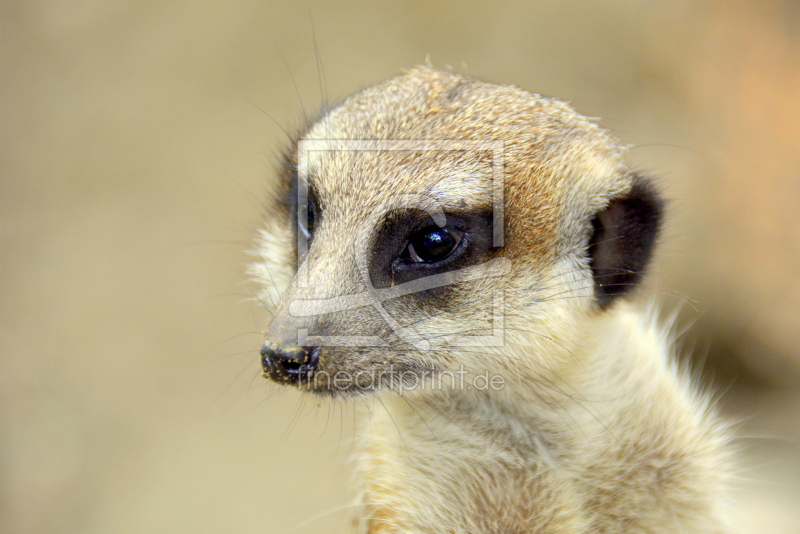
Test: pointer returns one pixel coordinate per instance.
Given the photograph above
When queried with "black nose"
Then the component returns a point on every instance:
(289, 364)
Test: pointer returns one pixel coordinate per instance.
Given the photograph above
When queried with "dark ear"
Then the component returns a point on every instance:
(624, 236)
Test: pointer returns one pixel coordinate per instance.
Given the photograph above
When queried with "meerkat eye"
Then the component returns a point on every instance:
(307, 226)
(408, 245)
(432, 244)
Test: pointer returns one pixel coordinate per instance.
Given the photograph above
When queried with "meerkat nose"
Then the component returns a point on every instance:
(288, 364)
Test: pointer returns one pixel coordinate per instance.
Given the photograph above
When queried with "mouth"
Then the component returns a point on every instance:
(309, 369)
(301, 368)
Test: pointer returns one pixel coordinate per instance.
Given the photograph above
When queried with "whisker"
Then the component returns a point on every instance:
(323, 89)
(324, 514)
(270, 117)
(294, 83)
(418, 415)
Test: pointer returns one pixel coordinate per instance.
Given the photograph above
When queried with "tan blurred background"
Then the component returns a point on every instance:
(136, 140)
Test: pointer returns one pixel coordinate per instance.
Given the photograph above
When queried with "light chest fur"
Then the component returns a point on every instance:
(620, 444)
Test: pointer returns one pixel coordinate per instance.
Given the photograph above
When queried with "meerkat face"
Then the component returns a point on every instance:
(437, 224)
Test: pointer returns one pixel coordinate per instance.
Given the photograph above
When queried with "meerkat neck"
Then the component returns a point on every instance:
(613, 442)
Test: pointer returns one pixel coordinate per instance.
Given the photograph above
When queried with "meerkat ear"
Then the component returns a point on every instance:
(622, 243)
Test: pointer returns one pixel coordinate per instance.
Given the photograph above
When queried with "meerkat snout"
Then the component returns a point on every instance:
(289, 364)
(462, 251)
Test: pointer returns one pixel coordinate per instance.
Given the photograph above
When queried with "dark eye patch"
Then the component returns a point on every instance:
(389, 261)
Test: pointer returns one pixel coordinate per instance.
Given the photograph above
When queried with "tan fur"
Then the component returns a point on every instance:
(595, 429)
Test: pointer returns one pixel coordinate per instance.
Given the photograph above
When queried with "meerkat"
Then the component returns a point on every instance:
(463, 252)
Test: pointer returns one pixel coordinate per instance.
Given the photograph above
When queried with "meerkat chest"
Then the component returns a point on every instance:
(420, 478)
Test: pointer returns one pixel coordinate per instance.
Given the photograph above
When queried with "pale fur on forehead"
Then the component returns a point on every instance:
(353, 180)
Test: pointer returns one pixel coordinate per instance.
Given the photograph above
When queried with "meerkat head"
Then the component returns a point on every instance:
(434, 222)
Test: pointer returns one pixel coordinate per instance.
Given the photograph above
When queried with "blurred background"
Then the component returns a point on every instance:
(136, 139)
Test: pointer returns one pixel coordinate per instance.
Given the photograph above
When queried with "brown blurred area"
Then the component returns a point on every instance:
(137, 137)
